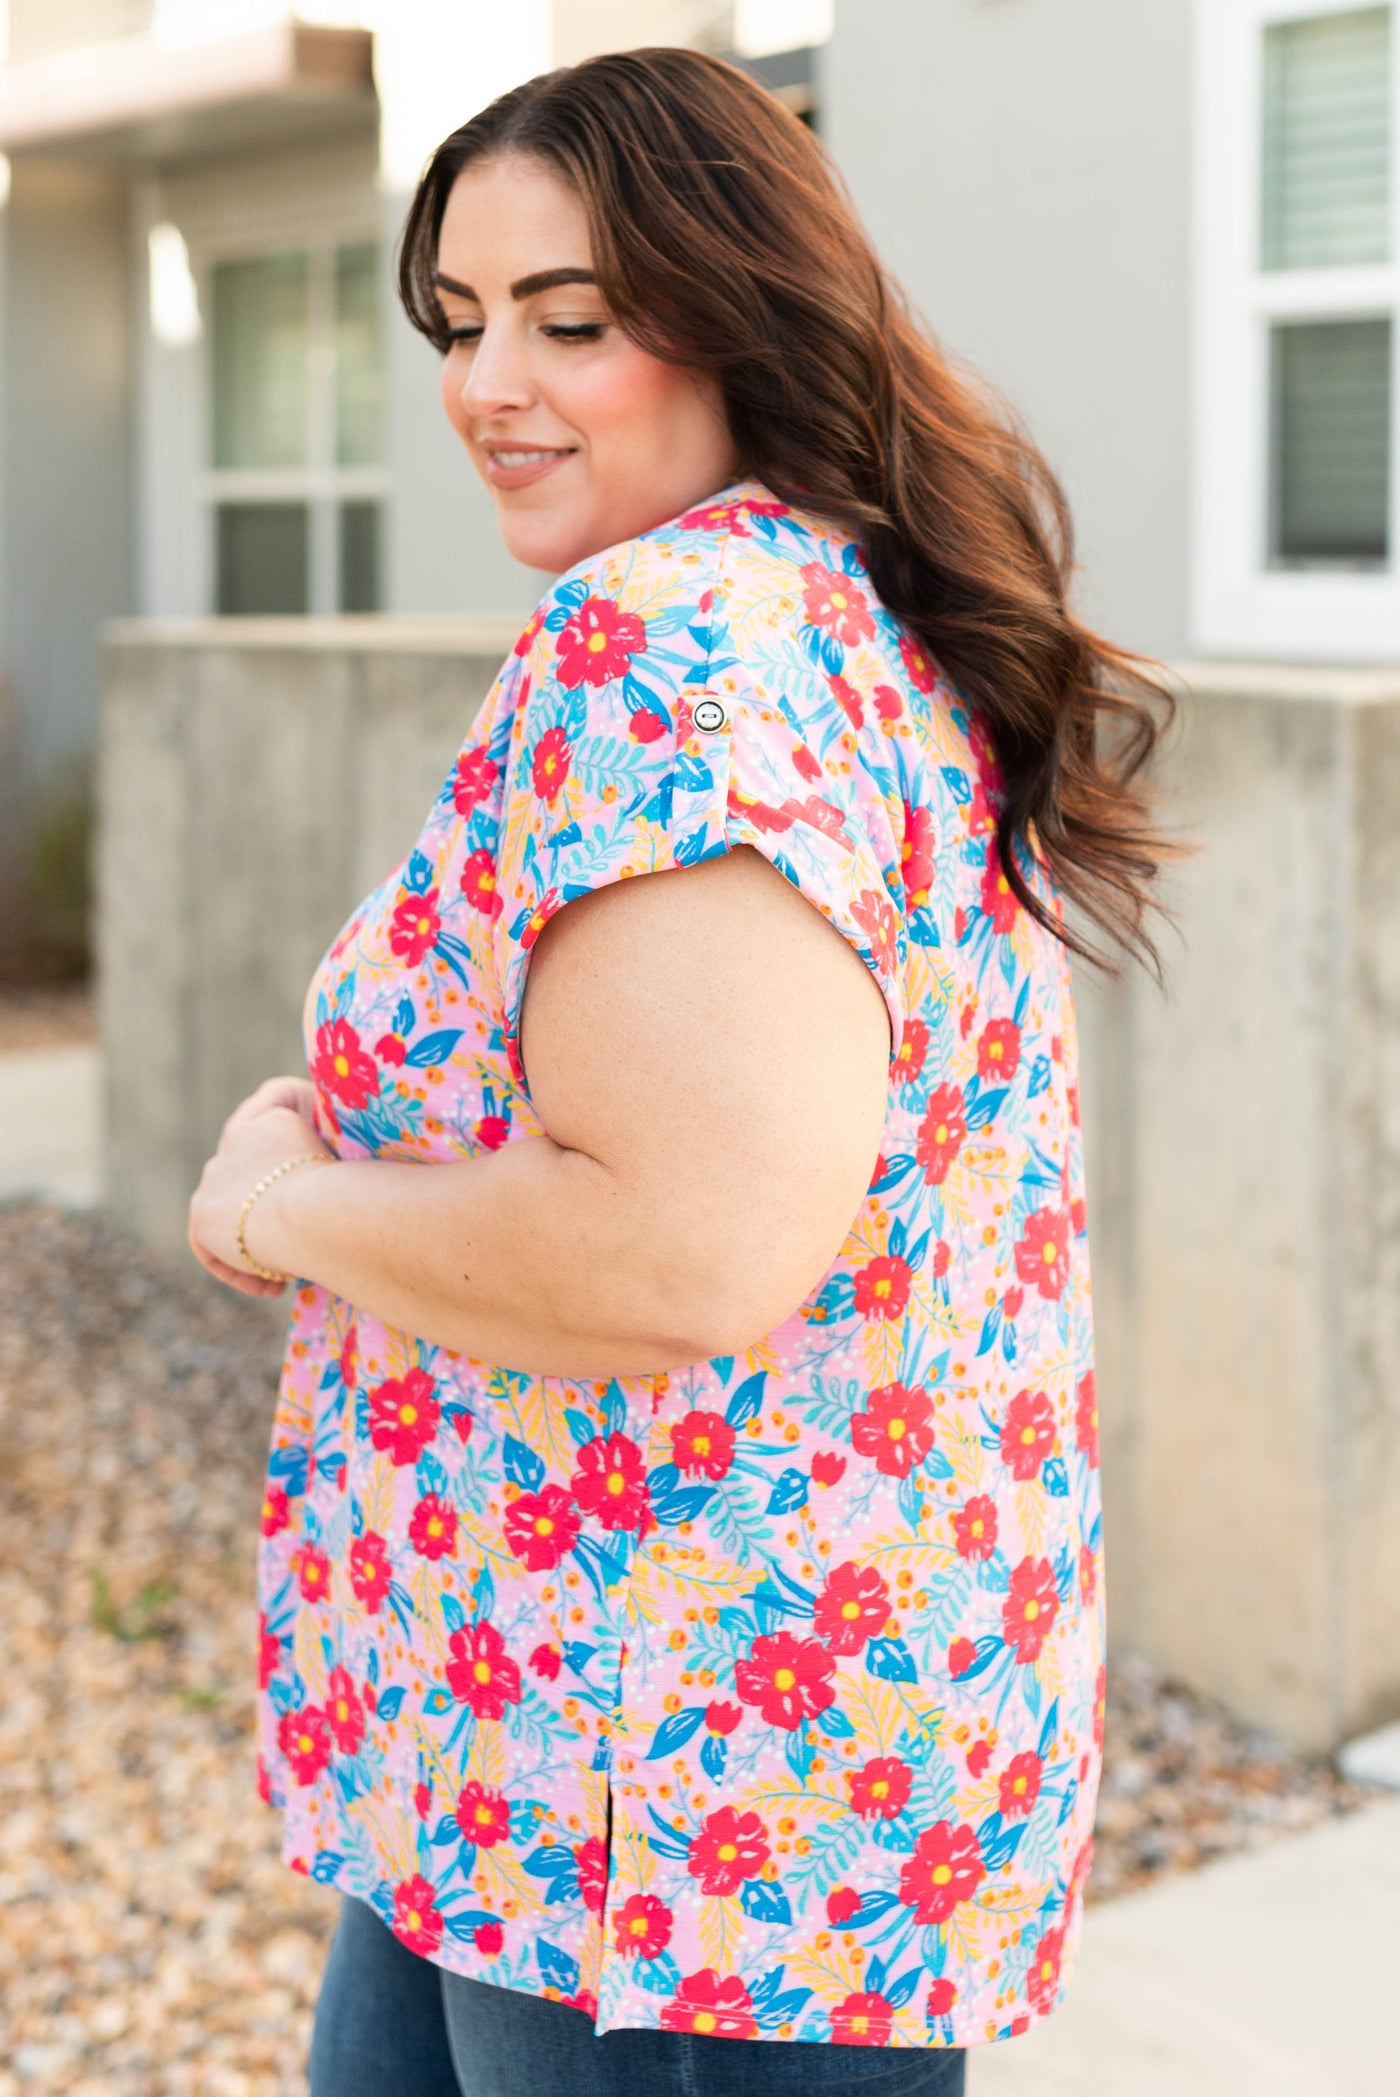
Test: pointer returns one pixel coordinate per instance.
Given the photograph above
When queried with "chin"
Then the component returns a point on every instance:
(548, 543)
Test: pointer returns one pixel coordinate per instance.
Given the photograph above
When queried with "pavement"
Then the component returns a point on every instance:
(1275, 1974)
(50, 1128)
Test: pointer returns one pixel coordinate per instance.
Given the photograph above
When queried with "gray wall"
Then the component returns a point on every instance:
(1023, 167)
(65, 486)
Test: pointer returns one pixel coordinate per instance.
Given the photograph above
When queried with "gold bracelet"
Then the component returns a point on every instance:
(310, 1157)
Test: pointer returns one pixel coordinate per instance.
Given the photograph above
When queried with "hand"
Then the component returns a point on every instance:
(297, 1093)
(257, 1138)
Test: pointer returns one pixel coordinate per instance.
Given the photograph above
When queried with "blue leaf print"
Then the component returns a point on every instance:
(390, 1704)
(891, 1660)
(433, 1048)
(557, 1968)
(790, 1491)
(675, 1731)
(765, 1902)
(522, 1466)
(746, 1402)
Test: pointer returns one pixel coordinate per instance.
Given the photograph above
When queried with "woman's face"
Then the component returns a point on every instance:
(582, 437)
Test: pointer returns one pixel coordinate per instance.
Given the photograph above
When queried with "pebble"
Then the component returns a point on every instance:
(151, 1943)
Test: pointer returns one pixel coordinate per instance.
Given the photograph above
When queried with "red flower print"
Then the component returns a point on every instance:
(981, 816)
(942, 1256)
(848, 699)
(1043, 1980)
(702, 1445)
(341, 1067)
(916, 855)
(717, 2009)
(275, 1510)
(549, 767)
(828, 1466)
(942, 1994)
(945, 1870)
(646, 725)
(417, 1922)
(422, 1800)
(542, 1527)
(895, 1428)
(591, 1863)
(347, 1357)
(305, 1741)
(1042, 1255)
(875, 914)
(598, 643)
(642, 1926)
(1028, 1433)
(942, 1133)
(269, 1653)
(721, 1719)
(475, 776)
(879, 1789)
(984, 755)
(483, 1815)
(532, 627)
(391, 1048)
(913, 1049)
(729, 1848)
(788, 1678)
(313, 1571)
(1088, 1576)
(546, 1662)
(611, 1483)
(1011, 1303)
(851, 1607)
(999, 1049)
(1086, 1418)
(975, 1527)
(841, 1904)
(479, 883)
(835, 604)
(978, 1756)
(1100, 1707)
(1019, 1785)
(1030, 1608)
(882, 1287)
(404, 1415)
(432, 1527)
(962, 1655)
(862, 2020)
(998, 896)
(345, 1714)
(917, 664)
(539, 917)
(415, 926)
(888, 704)
(491, 1131)
(369, 1570)
(481, 1672)
(806, 765)
(488, 1937)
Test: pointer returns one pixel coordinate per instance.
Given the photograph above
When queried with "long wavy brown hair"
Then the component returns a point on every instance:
(723, 239)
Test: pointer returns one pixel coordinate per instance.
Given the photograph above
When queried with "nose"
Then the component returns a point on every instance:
(497, 378)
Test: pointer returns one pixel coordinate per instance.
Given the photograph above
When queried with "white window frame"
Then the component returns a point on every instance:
(1241, 605)
(321, 485)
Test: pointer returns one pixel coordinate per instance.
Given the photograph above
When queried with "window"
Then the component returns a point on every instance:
(1297, 527)
(296, 441)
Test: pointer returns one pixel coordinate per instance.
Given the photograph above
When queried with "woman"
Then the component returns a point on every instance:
(681, 1594)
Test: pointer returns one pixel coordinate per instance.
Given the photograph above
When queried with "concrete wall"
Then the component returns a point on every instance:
(258, 777)
(1023, 167)
(1244, 1137)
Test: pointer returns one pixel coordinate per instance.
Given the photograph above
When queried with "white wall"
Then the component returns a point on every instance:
(1023, 166)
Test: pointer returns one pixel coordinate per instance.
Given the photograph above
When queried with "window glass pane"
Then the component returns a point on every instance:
(262, 557)
(1327, 140)
(1331, 432)
(359, 557)
(259, 346)
(359, 358)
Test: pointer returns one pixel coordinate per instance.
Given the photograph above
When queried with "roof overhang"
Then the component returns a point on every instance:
(135, 99)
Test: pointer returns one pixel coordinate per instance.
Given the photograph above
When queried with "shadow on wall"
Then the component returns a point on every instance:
(46, 887)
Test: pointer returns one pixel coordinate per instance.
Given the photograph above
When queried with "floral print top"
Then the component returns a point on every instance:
(764, 1698)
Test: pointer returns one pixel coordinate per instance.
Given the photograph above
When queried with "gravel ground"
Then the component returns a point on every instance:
(151, 1945)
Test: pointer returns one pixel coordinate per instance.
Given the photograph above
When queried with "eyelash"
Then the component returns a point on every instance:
(562, 331)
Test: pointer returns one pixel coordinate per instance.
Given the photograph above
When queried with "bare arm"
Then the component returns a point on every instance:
(710, 1059)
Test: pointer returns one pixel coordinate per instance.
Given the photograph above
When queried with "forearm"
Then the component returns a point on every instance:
(532, 1256)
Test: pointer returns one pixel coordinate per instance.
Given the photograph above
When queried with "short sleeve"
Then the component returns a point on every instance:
(643, 742)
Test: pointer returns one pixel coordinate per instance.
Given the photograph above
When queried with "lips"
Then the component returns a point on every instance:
(518, 466)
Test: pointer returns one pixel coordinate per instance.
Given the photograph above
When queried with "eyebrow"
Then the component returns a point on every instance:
(523, 287)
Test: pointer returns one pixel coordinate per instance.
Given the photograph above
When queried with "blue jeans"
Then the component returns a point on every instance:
(389, 2024)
